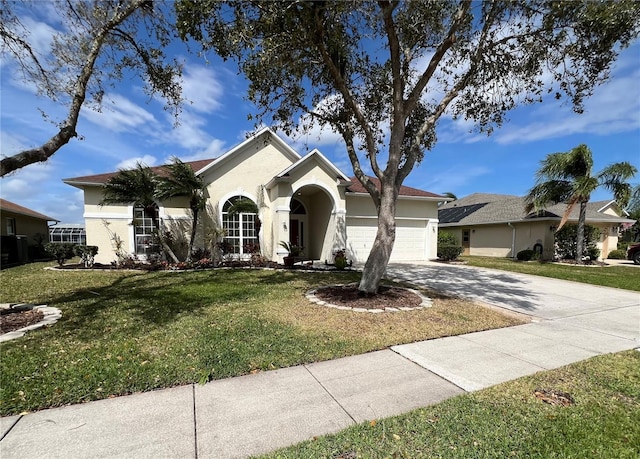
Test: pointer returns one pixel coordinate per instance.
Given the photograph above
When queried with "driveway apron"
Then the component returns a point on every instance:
(570, 322)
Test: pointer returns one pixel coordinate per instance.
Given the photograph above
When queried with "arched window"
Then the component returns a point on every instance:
(296, 207)
(240, 222)
(145, 224)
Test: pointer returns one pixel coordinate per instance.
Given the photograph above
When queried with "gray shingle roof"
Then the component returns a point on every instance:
(500, 208)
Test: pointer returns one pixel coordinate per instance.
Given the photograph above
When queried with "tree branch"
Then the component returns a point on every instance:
(344, 90)
(68, 126)
(443, 47)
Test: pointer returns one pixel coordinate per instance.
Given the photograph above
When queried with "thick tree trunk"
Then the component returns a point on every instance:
(376, 264)
(580, 235)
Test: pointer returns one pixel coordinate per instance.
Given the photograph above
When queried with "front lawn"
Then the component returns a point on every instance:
(509, 421)
(627, 278)
(124, 332)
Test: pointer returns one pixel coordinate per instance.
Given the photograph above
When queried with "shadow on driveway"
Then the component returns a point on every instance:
(493, 287)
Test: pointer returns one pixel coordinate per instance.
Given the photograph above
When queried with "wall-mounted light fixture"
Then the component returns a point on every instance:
(284, 225)
(553, 228)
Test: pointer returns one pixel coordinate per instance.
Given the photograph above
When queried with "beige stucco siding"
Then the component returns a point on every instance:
(245, 173)
(362, 205)
(314, 184)
(100, 236)
(497, 240)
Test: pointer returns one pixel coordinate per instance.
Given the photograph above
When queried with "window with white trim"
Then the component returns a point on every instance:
(240, 228)
(145, 223)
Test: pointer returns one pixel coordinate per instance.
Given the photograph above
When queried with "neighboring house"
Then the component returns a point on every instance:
(496, 225)
(65, 232)
(21, 228)
(305, 200)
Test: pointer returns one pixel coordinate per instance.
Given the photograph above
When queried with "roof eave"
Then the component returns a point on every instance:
(400, 196)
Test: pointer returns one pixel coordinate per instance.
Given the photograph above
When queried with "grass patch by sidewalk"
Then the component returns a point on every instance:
(627, 278)
(507, 420)
(124, 332)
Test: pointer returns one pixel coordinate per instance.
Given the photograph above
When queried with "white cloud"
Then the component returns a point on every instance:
(614, 108)
(189, 134)
(40, 34)
(202, 89)
(10, 143)
(119, 114)
(131, 163)
(22, 188)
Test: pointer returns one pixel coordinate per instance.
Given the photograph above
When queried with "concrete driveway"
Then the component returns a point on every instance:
(541, 297)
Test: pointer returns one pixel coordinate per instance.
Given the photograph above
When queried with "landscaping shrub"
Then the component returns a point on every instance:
(526, 255)
(340, 260)
(61, 251)
(445, 238)
(200, 254)
(623, 245)
(86, 253)
(566, 242)
(617, 255)
(448, 246)
(449, 252)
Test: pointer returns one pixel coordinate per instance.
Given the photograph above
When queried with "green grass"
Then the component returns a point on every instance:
(627, 278)
(508, 421)
(123, 332)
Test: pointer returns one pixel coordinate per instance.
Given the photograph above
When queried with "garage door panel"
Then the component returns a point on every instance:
(410, 244)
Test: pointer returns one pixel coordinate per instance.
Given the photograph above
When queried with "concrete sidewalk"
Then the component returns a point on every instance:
(254, 414)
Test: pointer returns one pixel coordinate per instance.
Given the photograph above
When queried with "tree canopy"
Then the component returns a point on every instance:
(97, 43)
(382, 74)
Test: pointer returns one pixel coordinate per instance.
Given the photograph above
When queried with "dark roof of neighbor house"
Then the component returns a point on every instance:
(356, 187)
(485, 208)
(100, 179)
(8, 206)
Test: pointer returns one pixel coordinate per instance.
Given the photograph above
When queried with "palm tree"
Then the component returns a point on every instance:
(132, 186)
(183, 181)
(448, 194)
(138, 187)
(567, 177)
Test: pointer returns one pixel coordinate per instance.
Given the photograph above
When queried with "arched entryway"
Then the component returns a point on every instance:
(311, 211)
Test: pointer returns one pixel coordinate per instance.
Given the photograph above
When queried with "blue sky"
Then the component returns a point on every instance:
(132, 127)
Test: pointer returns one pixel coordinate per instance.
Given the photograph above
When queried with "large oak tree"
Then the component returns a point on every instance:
(382, 74)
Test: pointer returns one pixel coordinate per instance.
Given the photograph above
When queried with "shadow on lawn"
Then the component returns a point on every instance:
(159, 298)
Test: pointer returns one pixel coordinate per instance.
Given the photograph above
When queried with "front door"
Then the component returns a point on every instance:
(296, 232)
(466, 241)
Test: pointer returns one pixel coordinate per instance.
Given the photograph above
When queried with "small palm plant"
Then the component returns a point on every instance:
(294, 250)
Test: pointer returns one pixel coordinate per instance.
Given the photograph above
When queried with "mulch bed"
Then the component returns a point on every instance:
(387, 297)
(14, 319)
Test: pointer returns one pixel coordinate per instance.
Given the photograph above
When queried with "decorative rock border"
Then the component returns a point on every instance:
(311, 296)
(51, 316)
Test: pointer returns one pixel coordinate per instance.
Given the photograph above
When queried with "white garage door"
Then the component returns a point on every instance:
(410, 245)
